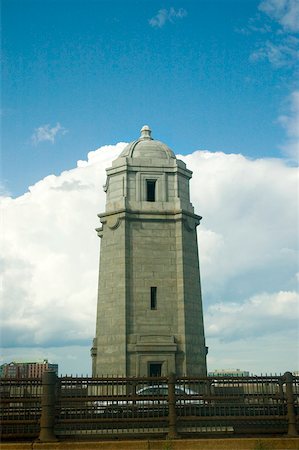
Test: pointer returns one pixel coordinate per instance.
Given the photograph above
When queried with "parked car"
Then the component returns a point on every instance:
(150, 399)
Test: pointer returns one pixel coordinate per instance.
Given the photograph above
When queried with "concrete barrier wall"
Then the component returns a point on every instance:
(178, 444)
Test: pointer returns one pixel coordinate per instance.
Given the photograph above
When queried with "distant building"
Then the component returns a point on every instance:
(2, 369)
(229, 373)
(30, 369)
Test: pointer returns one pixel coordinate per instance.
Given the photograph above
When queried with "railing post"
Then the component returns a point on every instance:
(47, 420)
(172, 432)
(291, 415)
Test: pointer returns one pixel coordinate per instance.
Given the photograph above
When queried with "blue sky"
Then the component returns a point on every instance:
(201, 75)
(217, 81)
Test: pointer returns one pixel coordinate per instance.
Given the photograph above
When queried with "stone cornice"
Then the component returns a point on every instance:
(153, 215)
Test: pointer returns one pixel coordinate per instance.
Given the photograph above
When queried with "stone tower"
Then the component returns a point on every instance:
(149, 316)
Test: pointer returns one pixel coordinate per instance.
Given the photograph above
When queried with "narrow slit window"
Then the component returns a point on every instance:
(153, 297)
(150, 190)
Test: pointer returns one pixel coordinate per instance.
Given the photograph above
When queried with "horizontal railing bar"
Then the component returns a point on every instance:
(114, 420)
(232, 418)
(18, 435)
(4, 401)
(17, 422)
(111, 379)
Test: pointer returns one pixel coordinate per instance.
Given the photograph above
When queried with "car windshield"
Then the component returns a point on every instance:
(160, 390)
(179, 391)
(154, 390)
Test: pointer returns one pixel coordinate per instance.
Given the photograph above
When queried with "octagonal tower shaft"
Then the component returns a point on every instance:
(149, 315)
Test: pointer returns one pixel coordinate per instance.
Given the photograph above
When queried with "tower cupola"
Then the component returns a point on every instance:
(147, 147)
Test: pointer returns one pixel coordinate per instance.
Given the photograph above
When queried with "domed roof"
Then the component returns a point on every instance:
(147, 147)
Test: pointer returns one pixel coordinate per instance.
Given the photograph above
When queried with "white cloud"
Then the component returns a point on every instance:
(291, 124)
(46, 133)
(260, 315)
(50, 247)
(167, 15)
(248, 235)
(285, 53)
(280, 48)
(247, 240)
(285, 12)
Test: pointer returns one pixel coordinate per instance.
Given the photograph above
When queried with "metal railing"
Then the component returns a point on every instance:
(20, 407)
(81, 407)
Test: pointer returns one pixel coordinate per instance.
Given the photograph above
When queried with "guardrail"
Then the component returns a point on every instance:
(80, 407)
(20, 407)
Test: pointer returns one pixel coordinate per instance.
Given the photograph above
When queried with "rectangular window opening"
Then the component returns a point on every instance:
(155, 369)
(150, 190)
(153, 297)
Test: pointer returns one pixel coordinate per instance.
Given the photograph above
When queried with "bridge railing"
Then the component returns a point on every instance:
(57, 408)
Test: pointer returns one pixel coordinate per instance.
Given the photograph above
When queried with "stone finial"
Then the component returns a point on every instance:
(146, 132)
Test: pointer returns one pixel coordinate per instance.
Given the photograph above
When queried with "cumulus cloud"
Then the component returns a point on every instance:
(290, 122)
(247, 245)
(46, 133)
(248, 319)
(286, 12)
(167, 15)
(50, 256)
(249, 225)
